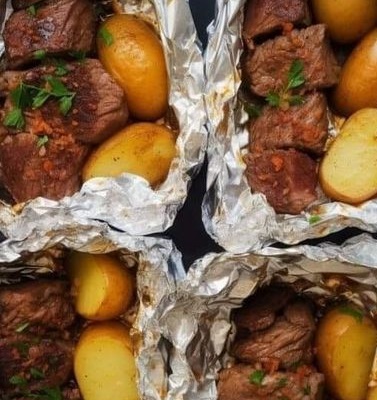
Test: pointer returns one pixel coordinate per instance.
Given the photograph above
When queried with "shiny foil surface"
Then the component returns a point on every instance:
(128, 202)
(237, 219)
(159, 268)
(197, 320)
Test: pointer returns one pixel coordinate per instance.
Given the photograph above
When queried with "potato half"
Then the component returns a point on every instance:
(143, 149)
(357, 87)
(104, 364)
(348, 171)
(103, 287)
(346, 21)
(345, 344)
(132, 53)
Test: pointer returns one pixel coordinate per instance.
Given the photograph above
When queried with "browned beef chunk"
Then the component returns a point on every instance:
(267, 67)
(59, 26)
(236, 383)
(52, 171)
(266, 16)
(18, 4)
(259, 311)
(37, 307)
(303, 127)
(99, 106)
(71, 393)
(285, 343)
(288, 178)
(40, 362)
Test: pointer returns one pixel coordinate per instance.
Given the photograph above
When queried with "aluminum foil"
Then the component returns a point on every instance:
(197, 319)
(159, 269)
(128, 202)
(237, 219)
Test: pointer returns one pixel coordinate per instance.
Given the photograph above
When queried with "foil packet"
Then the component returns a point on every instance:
(128, 202)
(159, 268)
(239, 220)
(197, 321)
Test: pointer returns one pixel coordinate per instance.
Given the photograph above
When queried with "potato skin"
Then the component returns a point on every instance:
(357, 87)
(104, 364)
(347, 21)
(348, 171)
(103, 287)
(136, 61)
(143, 149)
(345, 345)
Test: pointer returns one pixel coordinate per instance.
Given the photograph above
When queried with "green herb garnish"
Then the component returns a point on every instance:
(39, 54)
(257, 377)
(32, 10)
(60, 67)
(252, 110)
(313, 219)
(14, 119)
(78, 54)
(106, 36)
(36, 373)
(18, 380)
(284, 97)
(42, 140)
(282, 382)
(357, 314)
(22, 327)
(23, 348)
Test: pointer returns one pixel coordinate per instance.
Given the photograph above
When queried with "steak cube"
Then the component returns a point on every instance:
(59, 26)
(303, 127)
(288, 178)
(267, 67)
(266, 16)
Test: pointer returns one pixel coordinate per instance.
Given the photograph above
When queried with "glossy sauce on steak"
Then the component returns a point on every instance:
(58, 27)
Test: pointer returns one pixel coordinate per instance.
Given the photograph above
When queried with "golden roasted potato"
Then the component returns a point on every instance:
(348, 171)
(103, 287)
(347, 21)
(357, 87)
(104, 364)
(132, 53)
(143, 149)
(345, 344)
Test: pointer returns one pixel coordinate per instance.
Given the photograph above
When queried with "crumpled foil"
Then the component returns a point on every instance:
(128, 202)
(197, 320)
(159, 269)
(237, 219)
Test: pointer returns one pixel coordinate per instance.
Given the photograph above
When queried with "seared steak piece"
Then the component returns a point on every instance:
(59, 26)
(71, 393)
(267, 67)
(288, 178)
(302, 127)
(99, 107)
(236, 383)
(19, 4)
(39, 307)
(285, 343)
(260, 309)
(267, 16)
(52, 171)
(40, 362)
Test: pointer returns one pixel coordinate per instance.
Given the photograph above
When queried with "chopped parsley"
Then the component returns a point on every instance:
(357, 314)
(39, 54)
(23, 348)
(313, 219)
(306, 390)
(252, 110)
(25, 95)
(282, 382)
(285, 98)
(42, 140)
(47, 394)
(17, 380)
(60, 67)
(22, 327)
(32, 10)
(257, 377)
(36, 373)
(78, 54)
(105, 35)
